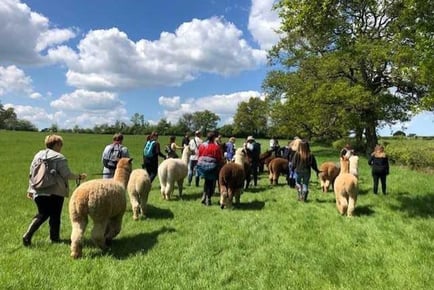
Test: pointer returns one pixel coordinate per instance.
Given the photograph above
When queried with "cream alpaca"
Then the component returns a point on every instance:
(104, 201)
(346, 189)
(173, 170)
(138, 188)
(328, 173)
(231, 179)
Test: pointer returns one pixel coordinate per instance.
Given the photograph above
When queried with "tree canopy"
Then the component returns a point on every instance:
(349, 66)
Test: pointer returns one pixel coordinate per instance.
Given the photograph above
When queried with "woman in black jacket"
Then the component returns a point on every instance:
(380, 168)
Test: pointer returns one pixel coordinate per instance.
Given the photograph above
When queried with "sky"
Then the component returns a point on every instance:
(85, 63)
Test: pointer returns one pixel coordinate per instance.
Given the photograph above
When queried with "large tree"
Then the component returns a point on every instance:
(205, 120)
(348, 66)
(251, 118)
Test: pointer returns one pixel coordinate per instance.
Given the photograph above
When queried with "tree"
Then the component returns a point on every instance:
(163, 127)
(348, 66)
(205, 120)
(186, 123)
(251, 118)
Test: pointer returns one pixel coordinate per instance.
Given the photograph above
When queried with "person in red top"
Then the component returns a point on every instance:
(208, 165)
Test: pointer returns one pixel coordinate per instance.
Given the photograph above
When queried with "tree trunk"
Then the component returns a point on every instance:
(371, 136)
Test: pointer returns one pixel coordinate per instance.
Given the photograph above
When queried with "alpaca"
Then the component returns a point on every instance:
(327, 175)
(277, 166)
(138, 191)
(104, 200)
(231, 179)
(263, 158)
(346, 189)
(173, 170)
(354, 165)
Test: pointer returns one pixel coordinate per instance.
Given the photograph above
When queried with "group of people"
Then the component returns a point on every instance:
(207, 158)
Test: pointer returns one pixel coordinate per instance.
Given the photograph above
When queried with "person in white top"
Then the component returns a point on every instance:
(194, 147)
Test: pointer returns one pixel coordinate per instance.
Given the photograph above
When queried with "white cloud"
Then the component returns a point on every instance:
(108, 59)
(224, 106)
(263, 23)
(27, 33)
(14, 80)
(33, 114)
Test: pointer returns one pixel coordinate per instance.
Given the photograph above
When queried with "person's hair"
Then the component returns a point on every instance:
(52, 140)
(232, 139)
(379, 151)
(304, 151)
(211, 136)
(118, 137)
(172, 139)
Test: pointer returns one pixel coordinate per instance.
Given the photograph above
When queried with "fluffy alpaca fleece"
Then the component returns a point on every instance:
(138, 191)
(104, 200)
(328, 173)
(277, 166)
(264, 159)
(173, 170)
(354, 165)
(231, 180)
(346, 189)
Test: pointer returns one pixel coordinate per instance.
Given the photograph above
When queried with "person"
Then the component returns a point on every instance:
(186, 140)
(379, 163)
(151, 151)
(210, 159)
(253, 149)
(194, 147)
(302, 163)
(172, 147)
(49, 201)
(274, 146)
(111, 154)
(230, 149)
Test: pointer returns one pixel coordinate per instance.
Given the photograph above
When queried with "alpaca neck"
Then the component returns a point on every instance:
(345, 166)
(239, 160)
(185, 155)
(122, 175)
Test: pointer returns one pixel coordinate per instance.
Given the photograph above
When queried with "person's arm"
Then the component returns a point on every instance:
(157, 147)
(314, 165)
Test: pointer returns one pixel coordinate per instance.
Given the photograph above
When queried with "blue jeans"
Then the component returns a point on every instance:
(302, 179)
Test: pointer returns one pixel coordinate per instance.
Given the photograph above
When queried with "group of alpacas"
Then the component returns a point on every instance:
(104, 200)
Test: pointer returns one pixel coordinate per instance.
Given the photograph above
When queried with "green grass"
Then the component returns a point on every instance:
(270, 242)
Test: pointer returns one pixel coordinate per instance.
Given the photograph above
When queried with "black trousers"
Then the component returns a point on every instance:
(377, 178)
(49, 207)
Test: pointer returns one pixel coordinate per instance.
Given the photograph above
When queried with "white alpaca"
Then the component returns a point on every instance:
(138, 188)
(104, 200)
(173, 170)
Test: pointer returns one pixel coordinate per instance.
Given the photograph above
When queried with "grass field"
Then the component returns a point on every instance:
(271, 241)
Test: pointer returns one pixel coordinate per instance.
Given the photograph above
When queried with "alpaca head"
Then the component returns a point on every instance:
(123, 170)
(240, 155)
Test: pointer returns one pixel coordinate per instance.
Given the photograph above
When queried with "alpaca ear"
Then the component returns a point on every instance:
(130, 160)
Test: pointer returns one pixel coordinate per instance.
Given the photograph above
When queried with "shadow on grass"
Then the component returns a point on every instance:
(124, 247)
(153, 212)
(253, 205)
(193, 196)
(365, 210)
(416, 206)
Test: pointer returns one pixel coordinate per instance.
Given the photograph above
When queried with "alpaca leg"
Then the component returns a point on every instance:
(169, 189)
(326, 185)
(343, 205)
(270, 177)
(237, 196)
(135, 206)
(98, 231)
(162, 190)
(143, 202)
(351, 205)
(113, 228)
(78, 228)
(180, 185)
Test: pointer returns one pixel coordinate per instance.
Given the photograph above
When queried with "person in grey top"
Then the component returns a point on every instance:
(111, 154)
(49, 201)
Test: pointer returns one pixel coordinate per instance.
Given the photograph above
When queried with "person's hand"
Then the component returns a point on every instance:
(29, 195)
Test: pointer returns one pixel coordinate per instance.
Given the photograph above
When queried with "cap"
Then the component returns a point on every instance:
(250, 138)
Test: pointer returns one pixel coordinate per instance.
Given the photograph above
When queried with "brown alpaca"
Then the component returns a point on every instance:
(277, 166)
(346, 189)
(264, 159)
(231, 180)
(328, 173)
(104, 200)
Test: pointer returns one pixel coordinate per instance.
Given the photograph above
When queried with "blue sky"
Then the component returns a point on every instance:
(76, 62)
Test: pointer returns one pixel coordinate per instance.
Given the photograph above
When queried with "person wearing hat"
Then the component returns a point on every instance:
(194, 147)
(253, 149)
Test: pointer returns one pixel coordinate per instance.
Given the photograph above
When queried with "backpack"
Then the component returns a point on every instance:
(42, 174)
(148, 151)
(110, 159)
